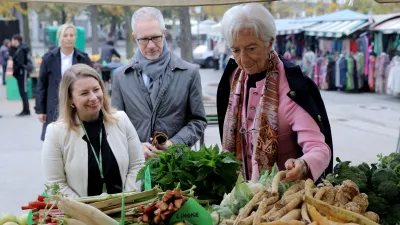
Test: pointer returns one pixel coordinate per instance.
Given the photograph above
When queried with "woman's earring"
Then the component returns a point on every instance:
(72, 105)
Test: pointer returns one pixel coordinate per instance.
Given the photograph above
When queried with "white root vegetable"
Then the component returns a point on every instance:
(87, 214)
(304, 213)
(275, 183)
(295, 214)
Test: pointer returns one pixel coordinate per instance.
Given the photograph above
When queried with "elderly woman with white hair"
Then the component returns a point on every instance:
(268, 111)
(54, 63)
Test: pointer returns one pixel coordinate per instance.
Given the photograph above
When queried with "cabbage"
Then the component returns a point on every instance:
(7, 217)
(23, 219)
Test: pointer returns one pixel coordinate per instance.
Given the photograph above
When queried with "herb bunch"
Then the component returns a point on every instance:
(211, 171)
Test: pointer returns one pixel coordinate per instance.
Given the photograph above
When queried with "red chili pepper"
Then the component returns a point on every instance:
(41, 198)
(37, 204)
(26, 207)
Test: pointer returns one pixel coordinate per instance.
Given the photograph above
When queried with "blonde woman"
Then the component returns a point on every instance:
(91, 149)
(54, 63)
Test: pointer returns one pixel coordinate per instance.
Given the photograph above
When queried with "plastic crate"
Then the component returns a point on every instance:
(13, 91)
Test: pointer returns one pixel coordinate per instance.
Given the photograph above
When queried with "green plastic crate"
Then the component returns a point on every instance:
(51, 37)
(12, 89)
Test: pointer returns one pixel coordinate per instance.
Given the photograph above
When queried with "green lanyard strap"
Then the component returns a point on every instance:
(99, 159)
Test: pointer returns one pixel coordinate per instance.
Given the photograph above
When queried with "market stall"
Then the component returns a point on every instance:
(205, 189)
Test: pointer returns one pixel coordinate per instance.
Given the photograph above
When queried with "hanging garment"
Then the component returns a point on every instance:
(356, 86)
(353, 46)
(331, 73)
(337, 73)
(371, 73)
(349, 74)
(393, 84)
(337, 46)
(346, 46)
(382, 63)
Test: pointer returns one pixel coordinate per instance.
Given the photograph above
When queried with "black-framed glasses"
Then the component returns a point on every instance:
(145, 41)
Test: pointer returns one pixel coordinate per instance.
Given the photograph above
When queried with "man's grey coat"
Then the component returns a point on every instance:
(178, 110)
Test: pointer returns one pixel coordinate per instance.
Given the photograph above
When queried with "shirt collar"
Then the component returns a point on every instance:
(63, 56)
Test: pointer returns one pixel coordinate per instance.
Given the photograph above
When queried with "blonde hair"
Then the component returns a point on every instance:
(67, 113)
(61, 30)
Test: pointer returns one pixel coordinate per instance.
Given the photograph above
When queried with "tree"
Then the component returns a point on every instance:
(25, 24)
(95, 38)
(6, 12)
(129, 37)
(111, 15)
(60, 12)
(186, 34)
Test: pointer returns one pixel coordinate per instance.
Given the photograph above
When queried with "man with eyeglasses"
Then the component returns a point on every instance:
(159, 91)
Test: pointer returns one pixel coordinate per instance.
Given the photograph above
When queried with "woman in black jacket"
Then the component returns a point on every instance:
(54, 63)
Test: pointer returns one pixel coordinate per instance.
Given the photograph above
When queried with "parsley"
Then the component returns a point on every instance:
(211, 171)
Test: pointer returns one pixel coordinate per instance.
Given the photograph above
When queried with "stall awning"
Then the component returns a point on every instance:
(389, 27)
(292, 27)
(155, 3)
(336, 29)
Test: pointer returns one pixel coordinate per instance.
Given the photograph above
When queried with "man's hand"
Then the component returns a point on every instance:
(149, 150)
(42, 117)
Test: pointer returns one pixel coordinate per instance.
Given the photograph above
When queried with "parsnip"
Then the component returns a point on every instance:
(320, 193)
(295, 214)
(275, 183)
(244, 212)
(263, 208)
(292, 222)
(289, 207)
(294, 188)
(317, 217)
(87, 214)
(339, 213)
(266, 216)
(304, 213)
(247, 220)
(285, 200)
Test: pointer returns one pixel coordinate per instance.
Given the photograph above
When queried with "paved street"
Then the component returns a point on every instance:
(363, 125)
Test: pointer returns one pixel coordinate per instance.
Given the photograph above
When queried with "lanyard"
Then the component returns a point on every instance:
(99, 159)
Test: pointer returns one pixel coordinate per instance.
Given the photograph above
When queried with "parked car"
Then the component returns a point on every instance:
(204, 57)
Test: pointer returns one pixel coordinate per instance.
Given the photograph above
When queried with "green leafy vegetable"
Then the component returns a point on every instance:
(211, 171)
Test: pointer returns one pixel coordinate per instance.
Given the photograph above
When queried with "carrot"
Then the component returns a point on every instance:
(178, 203)
(339, 213)
(275, 182)
(245, 211)
(83, 212)
(317, 217)
(177, 193)
(289, 207)
(295, 214)
(167, 196)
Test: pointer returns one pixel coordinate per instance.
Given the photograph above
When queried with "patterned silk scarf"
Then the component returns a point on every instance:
(265, 122)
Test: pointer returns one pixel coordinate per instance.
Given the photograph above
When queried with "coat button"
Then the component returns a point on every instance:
(292, 93)
(319, 118)
(255, 93)
(252, 107)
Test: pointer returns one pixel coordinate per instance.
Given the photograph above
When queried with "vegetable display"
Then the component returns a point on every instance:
(211, 171)
(300, 203)
(380, 182)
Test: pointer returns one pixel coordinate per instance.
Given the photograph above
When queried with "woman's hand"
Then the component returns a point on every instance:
(296, 169)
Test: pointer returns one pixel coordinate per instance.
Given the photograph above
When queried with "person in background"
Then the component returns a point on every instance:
(268, 111)
(159, 91)
(20, 60)
(54, 63)
(107, 52)
(4, 56)
(91, 149)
